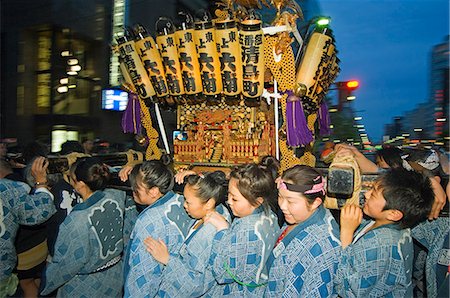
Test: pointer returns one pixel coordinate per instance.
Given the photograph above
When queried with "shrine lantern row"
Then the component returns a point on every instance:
(196, 61)
(206, 66)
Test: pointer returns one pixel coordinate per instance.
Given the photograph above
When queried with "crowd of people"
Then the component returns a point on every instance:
(255, 232)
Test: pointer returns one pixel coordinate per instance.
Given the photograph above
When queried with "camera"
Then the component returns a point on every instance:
(340, 182)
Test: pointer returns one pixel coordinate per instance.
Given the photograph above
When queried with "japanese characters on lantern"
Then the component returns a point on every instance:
(123, 69)
(134, 67)
(252, 51)
(166, 41)
(151, 59)
(227, 39)
(190, 67)
(318, 53)
(208, 59)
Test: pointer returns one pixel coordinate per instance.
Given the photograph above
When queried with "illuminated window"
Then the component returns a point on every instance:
(60, 136)
(119, 15)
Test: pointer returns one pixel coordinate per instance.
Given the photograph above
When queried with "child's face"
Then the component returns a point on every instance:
(375, 202)
(238, 204)
(294, 205)
(194, 206)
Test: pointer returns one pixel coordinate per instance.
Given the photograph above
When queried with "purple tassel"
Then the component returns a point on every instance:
(297, 128)
(131, 119)
(324, 119)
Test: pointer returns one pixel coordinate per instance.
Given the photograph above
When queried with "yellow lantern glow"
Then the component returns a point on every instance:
(227, 39)
(208, 58)
(134, 67)
(166, 41)
(252, 51)
(151, 59)
(190, 67)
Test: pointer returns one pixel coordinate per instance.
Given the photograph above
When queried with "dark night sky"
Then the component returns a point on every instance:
(386, 45)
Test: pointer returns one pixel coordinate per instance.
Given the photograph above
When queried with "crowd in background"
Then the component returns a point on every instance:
(255, 232)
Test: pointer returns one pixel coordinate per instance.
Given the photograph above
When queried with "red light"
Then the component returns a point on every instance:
(352, 84)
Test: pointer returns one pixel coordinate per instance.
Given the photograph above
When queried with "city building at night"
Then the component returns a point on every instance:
(428, 121)
(439, 84)
(55, 57)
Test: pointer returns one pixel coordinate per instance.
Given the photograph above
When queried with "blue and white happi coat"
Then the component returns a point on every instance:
(239, 255)
(304, 262)
(378, 263)
(18, 207)
(88, 250)
(167, 220)
(187, 274)
(434, 237)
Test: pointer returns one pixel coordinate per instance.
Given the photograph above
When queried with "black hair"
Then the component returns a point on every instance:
(152, 173)
(167, 160)
(90, 170)
(256, 181)
(211, 185)
(32, 150)
(392, 156)
(304, 175)
(408, 192)
(71, 146)
(272, 164)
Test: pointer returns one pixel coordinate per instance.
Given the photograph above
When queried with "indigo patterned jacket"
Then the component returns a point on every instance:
(187, 274)
(88, 250)
(377, 263)
(167, 220)
(304, 263)
(434, 237)
(18, 207)
(239, 255)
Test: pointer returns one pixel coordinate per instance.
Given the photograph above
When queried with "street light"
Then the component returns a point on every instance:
(345, 89)
(332, 110)
(66, 53)
(72, 61)
(352, 84)
(62, 89)
(75, 68)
